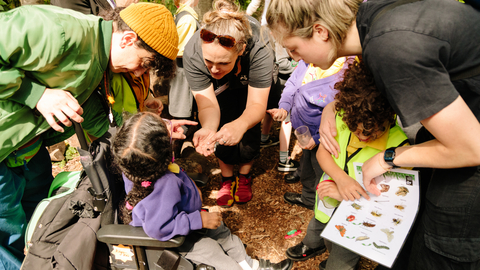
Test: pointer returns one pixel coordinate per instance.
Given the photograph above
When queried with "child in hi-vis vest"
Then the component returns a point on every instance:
(366, 125)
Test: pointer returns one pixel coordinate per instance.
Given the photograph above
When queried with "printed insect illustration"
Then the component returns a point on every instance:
(350, 218)
(356, 206)
(402, 191)
(380, 247)
(397, 221)
(367, 224)
(385, 188)
(400, 207)
(362, 238)
(388, 233)
(376, 214)
(341, 229)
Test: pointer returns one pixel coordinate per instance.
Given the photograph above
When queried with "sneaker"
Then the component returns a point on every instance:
(270, 142)
(243, 192)
(288, 166)
(225, 194)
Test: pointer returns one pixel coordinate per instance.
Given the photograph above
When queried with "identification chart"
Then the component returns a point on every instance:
(377, 229)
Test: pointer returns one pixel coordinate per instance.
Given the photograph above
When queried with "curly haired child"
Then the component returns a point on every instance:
(166, 202)
(364, 112)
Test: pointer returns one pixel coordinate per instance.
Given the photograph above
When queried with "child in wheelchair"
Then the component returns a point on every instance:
(163, 200)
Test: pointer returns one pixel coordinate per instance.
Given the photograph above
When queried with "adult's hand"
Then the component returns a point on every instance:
(328, 189)
(153, 105)
(374, 167)
(60, 104)
(278, 114)
(230, 134)
(328, 130)
(177, 131)
(202, 140)
(211, 220)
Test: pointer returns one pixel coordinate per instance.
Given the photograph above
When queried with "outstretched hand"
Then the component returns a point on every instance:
(211, 220)
(230, 134)
(203, 142)
(371, 169)
(177, 132)
(60, 104)
(278, 114)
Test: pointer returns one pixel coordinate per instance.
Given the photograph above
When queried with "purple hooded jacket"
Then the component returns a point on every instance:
(173, 208)
(306, 102)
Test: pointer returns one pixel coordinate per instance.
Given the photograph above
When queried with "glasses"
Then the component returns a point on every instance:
(224, 40)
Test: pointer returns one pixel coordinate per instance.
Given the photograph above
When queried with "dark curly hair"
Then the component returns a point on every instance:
(142, 151)
(361, 101)
(163, 67)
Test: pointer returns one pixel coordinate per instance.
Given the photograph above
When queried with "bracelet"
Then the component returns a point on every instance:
(380, 163)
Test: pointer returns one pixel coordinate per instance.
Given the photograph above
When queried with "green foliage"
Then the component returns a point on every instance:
(70, 153)
(243, 3)
(169, 4)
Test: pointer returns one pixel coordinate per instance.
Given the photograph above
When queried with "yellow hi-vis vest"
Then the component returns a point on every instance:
(396, 137)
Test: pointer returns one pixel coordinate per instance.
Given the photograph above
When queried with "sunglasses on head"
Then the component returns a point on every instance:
(224, 40)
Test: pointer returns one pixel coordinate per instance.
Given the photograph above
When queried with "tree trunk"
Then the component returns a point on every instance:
(202, 8)
(31, 2)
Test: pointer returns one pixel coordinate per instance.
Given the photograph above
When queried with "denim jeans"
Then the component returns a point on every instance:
(21, 188)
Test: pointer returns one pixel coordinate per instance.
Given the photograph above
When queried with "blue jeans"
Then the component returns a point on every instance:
(21, 188)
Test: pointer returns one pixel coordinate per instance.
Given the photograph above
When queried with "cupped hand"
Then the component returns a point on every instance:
(328, 130)
(278, 114)
(328, 189)
(60, 104)
(371, 169)
(153, 105)
(350, 189)
(202, 140)
(211, 220)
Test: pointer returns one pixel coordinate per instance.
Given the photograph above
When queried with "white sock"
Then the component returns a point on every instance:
(255, 264)
(244, 265)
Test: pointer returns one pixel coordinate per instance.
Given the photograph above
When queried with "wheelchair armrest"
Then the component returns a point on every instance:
(134, 236)
(199, 178)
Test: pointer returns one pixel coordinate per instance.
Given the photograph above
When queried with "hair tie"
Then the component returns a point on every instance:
(128, 206)
(146, 184)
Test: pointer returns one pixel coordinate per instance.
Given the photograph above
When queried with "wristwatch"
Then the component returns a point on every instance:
(389, 156)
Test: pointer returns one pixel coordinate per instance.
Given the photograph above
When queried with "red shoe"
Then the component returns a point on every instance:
(225, 194)
(243, 192)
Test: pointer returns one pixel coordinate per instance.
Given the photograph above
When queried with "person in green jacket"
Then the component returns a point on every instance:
(52, 61)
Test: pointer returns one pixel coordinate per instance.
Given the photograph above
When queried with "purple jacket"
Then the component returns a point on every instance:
(306, 102)
(173, 208)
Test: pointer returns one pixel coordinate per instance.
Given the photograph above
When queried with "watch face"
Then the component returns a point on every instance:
(389, 155)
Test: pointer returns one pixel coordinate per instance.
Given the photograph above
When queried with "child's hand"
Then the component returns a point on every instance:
(278, 114)
(350, 189)
(177, 132)
(330, 189)
(211, 220)
(311, 144)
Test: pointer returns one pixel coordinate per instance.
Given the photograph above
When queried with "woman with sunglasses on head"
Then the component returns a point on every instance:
(424, 57)
(229, 65)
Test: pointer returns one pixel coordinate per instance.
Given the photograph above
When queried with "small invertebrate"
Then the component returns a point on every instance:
(341, 229)
(380, 247)
(362, 238)
(356, 206)
(402, 191)
(370, 225)
(350, 218)
(397, 221)
(400, 207)
(376, 214)
(388, 233)
(385, 187)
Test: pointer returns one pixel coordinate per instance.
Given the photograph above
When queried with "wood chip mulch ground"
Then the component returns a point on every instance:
(263, 222)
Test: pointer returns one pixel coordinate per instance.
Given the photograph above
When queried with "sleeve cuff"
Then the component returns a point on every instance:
(29, 93)
(195, 221)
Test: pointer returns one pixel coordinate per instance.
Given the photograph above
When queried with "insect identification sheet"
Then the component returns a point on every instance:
(377, 229)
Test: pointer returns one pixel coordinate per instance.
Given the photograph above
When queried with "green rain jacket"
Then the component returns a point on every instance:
(396, 137)
(43, 46)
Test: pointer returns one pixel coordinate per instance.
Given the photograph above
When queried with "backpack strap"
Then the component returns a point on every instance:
(183, 13)
(469, 73)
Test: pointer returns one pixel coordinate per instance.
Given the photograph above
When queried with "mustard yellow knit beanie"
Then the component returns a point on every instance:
(154, 24)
